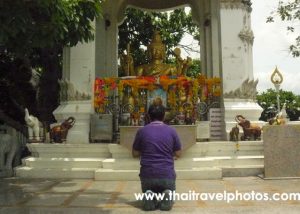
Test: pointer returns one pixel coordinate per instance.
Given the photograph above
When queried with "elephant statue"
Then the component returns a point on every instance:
(33, 125)
(234, 133)
(251, 131)
(9, 149)
(58, 134)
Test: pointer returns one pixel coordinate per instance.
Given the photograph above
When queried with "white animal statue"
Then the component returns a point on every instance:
(33, 125)
(9, 148)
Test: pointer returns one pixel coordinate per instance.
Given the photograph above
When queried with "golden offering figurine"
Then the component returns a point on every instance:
(182, 64)
(127, 63)
(156, 53)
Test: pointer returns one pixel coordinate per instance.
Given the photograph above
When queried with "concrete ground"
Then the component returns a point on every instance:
(65, 196)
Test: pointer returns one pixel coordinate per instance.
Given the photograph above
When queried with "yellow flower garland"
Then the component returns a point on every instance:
(195, 88)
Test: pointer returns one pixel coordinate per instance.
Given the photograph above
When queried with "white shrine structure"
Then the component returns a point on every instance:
(226, 52)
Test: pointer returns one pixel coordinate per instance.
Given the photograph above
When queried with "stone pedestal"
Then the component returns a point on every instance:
(186, 133)
(281, 151)
(203, 130)
(246, 107)
(81, 111)
(101, 127)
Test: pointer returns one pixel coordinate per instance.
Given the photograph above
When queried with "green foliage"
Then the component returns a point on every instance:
(138, 27)
(289, 11)
(195, 68)
(35, 32)
(26, 25)
(269, 98)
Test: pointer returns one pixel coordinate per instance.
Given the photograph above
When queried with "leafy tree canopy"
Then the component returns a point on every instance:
(30, 24)
(289, 11)
(269, 99)
(32, 35)
(138, 27)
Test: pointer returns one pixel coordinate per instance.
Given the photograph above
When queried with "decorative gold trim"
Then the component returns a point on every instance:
(274, 76)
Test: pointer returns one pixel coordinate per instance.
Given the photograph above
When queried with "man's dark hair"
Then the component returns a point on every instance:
(156, 112)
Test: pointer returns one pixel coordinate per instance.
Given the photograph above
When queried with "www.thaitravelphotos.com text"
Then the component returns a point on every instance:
(220, 196)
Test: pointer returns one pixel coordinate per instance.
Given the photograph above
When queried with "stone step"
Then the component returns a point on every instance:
(225, 148)
(203, 149)
(133, 164)
(222, 161)
(69, 163)
(204, 160)
(188, 163)
(110, 174)
(245, 160)
(48, 150)
(242, 171)
(182, 174)
(119, 151)
(118, 164)
(74, 173)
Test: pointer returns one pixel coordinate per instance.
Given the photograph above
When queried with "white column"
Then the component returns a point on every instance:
(210, 41)
(215, 38)
(237, 39)
(107, 44)
(79, 72)
(198, 12)
(239, 88)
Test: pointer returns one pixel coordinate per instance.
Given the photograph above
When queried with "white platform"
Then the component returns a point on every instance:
(204, 160)
(81, 110)
(246, 107)
(63, 160)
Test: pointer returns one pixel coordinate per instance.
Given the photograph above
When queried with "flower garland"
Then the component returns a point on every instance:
(179, 88)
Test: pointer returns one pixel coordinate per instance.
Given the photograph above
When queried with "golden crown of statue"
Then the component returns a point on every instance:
(156, 40)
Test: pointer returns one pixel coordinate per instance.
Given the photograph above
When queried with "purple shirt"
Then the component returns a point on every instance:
(157, 143)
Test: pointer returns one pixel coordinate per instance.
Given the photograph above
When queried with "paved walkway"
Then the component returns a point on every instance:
(65, 196)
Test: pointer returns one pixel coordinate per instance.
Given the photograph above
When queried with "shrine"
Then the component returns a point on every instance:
(109, 108)
(226, 53)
